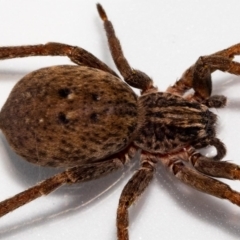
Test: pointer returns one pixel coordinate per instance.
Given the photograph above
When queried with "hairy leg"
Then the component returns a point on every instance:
(198, 76)
(76, 54)
(211, 167)
(133, 77)
(73, 175)
(201, 182)
(133, 189)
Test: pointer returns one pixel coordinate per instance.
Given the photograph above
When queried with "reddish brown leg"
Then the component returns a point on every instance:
(209, 166)
(29, 195)
(73, 175)
(229, 52)
(76, 54)
(133, 77)
(134, 188)
(198, 76)
(202, 83)
(202, 182)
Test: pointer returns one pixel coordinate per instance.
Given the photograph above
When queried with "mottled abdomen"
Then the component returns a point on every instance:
(69, 115)
(171, 123)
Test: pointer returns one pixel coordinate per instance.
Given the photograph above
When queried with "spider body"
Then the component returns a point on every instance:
(85, 118)
(91, 115)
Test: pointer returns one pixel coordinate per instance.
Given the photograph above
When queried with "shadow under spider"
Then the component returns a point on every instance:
(80, 195)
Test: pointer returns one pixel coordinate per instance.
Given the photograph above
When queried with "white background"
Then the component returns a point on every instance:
(161, 38)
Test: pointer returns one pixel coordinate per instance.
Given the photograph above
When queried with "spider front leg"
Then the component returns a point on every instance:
(211, 167)
(200, 181)
(202, 83)
(134, 188)
(73, 175)
(198, 76)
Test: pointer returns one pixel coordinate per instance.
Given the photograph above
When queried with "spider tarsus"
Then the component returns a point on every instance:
(102, 12)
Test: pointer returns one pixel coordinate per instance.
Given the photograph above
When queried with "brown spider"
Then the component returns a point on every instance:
(86, 119)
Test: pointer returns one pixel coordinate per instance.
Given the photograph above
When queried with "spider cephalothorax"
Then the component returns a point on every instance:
(171, 123)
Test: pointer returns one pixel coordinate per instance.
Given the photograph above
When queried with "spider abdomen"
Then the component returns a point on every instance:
(171, 123)
(69, 115)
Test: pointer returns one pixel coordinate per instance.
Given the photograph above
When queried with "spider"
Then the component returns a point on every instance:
(86, 119)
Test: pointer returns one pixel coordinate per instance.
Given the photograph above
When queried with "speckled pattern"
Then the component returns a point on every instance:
(67, 115)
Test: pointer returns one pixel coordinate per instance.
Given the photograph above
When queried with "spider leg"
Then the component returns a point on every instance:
(202, 182)
(70, 176)
(198, 76)
(229, 52)
(77, 55)
(133, 77)
(202, 83)
(133, 189)
(209, 166)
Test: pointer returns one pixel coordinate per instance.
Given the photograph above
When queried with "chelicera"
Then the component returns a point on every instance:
(85, 118)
